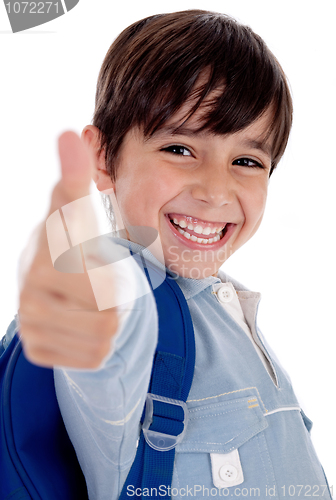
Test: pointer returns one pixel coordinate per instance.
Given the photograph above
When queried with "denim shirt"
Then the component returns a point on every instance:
(246, 434)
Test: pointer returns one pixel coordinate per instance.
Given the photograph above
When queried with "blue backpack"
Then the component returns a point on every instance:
(37, 460)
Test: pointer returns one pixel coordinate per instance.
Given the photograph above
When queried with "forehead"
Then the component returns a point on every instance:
(187, 112)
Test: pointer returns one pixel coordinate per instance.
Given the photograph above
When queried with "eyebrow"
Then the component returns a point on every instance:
(189, 132)
(259, 145)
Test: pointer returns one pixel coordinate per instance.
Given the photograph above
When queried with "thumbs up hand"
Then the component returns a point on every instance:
(60, 323)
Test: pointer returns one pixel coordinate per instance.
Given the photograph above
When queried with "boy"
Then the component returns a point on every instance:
(192, 116)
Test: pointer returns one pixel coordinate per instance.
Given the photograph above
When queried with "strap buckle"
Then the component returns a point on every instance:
(158, 440)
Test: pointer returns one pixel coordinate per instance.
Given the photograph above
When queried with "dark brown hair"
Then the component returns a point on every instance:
(151, 69)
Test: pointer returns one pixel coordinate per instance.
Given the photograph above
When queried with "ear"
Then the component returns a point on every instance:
(101, 177)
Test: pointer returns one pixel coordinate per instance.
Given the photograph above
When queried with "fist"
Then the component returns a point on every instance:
(60, 323)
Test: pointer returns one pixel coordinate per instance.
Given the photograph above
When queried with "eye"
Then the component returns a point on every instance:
(247, 162)
(177, 150)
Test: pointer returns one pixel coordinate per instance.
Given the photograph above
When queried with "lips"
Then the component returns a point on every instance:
(199, 234)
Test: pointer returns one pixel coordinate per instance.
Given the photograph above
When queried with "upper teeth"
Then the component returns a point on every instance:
(199, 229)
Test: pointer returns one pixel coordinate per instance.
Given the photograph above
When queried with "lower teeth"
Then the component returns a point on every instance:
(190, 237)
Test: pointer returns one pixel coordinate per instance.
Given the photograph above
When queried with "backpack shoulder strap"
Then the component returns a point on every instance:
(36, 455)
(165, 416)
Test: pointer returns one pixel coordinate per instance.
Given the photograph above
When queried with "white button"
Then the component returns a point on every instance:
(226, 469)
(228, 473)
(225, 294)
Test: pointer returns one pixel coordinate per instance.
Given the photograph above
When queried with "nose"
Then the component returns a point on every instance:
(214, 185)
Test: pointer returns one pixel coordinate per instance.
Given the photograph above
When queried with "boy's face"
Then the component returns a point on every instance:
(212, 187)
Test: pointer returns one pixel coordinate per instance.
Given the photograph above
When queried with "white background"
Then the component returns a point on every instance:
(47, 85)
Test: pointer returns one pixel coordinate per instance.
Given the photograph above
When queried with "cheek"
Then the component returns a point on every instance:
(252, 200)
(142, 191)
(156, 192)
(254, 206)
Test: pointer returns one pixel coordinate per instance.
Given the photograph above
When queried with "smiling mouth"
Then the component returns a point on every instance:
(198, 231)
